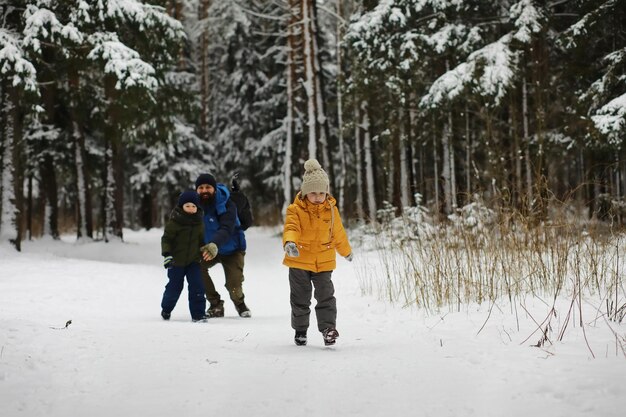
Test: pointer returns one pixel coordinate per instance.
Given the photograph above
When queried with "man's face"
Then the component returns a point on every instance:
(206, 191)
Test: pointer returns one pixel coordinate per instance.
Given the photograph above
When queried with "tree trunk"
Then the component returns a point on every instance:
(622, 195)
(117, 163)
(320, 102)
(446, 169)
(369, 163)
(493, 154)
(391, 169)
(84, 213)
(289, 126)
(84, 216)
(517, 156)
(50, 189)
(12, 173)
(310, 82)
(29, 207)
(342, 153)
(617, 191)
(203, 14)
(453, 186)
(146, 213)
(404, 166)
(468, 158)
(582, 194)
(528, 165)
(8, 231)
(358, 155)
(115, 167)
(436, 171)
(539, 83)
(417, 151)
(109, 219)
(48, 185)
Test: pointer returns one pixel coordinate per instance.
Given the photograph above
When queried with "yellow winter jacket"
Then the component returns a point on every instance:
(317, 231)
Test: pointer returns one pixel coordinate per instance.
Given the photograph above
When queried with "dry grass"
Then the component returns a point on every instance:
(497, 259)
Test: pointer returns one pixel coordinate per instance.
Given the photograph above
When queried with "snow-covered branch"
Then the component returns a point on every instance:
(528, 20)
(610, 119)
(123, 62)
(489, 72)
(43, 24)
(14, 64)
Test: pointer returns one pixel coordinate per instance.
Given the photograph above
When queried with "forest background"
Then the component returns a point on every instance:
(109, 108)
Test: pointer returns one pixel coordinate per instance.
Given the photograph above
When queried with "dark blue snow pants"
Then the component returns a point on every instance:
(176, 275)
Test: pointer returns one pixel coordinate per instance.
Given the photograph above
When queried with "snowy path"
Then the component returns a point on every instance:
(118, 358)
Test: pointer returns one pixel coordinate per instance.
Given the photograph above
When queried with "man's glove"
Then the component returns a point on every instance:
(350, 257)
(291, 250)
(234, 184)
(167, 261)
(210, 249)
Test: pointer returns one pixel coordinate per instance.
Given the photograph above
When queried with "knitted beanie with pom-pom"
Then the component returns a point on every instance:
(314, 179)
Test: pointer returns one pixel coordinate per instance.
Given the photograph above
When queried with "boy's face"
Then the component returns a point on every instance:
(316, 198)
(206, 192)
(190, 208)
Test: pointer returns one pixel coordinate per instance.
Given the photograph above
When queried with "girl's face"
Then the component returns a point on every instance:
(190, 208)
(316, 198)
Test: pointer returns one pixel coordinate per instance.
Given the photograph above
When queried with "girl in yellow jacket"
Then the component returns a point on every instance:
(313, 233)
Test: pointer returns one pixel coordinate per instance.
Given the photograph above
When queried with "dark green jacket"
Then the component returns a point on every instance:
(183, 236)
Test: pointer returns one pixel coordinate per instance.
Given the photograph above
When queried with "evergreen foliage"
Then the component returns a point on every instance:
(110, 108)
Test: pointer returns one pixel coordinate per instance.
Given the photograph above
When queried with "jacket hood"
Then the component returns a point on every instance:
(222, 194)
(181, 217)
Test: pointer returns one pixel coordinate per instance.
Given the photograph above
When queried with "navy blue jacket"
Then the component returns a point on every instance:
(221, 224)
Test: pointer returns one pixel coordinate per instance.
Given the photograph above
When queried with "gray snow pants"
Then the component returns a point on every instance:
(301, 285)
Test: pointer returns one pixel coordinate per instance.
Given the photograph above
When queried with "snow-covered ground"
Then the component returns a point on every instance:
(118, 358)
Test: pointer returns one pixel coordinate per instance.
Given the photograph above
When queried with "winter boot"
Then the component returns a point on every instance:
(216, 310)
(243, 310)
(201, 319)
(165, 315)
(330, 335)
(300, 338)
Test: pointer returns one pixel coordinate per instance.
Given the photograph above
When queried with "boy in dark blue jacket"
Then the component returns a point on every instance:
(222, 227)
(180, 246)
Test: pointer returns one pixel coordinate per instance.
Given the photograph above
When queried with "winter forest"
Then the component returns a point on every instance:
(110, 108)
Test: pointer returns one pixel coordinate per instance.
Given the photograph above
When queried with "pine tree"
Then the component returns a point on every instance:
(86, 63)
(17, 89)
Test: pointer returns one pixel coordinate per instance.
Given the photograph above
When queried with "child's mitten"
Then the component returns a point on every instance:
(291, 250)
(167, 261)
(350, 257)
(210, 249)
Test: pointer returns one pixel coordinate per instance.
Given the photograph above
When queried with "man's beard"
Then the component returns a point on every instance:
(207, 198)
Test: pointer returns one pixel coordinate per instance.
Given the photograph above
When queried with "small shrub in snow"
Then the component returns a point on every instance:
(474, 217)
(415, 222)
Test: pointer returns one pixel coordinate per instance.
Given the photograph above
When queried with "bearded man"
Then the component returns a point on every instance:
(227, 242)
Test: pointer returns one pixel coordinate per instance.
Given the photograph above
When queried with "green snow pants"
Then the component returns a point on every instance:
(233, 273)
